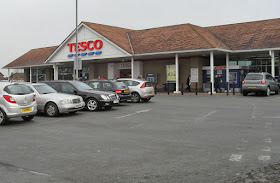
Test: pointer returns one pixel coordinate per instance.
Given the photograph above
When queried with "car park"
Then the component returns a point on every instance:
(94, 100)
(16, 100)
(139, 89)
(111, 85)
(259, 83)
(52, 103)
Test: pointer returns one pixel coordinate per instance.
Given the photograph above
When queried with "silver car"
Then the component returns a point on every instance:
(139, 89)
(257, 83)
(53, 103)
(16, 100)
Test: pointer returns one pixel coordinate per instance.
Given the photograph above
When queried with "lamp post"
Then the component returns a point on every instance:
(76, 65)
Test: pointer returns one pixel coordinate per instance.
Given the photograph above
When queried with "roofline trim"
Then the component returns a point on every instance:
(27, 66)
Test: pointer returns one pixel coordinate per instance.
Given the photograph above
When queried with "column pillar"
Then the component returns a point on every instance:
(177, 73)
(272, 63)
(227, 67)
(55, 72)
(111, 70)
(8, 74)
(132, 67)
(212, 69)
(30, 75)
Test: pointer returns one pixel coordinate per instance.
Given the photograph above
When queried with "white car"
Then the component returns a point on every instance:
(139, 89)
(16, 100)
(53, 103)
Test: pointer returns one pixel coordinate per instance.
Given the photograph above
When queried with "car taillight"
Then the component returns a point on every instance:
(9, 99)
(262, 82)
(143, 85)
(244, 82)
(118, 91)
(34, 96)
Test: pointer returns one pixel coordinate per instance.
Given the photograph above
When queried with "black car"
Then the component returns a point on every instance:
(111, 85)
(94, 100)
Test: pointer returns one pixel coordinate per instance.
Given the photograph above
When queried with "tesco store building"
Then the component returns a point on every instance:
(162, 55)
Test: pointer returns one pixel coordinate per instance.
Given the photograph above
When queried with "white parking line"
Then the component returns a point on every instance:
(264, 158)
(267, 140)
(266, 148)
(205, 117)
(235, 157)
(137, 112)
(253, 115)
(135, 126)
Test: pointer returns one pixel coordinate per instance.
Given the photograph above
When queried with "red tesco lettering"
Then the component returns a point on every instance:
(83, 46)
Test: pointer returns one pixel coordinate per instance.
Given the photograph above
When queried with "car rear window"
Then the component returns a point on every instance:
(121, 85)
(148, 84)
(254, 77)
(18, 89)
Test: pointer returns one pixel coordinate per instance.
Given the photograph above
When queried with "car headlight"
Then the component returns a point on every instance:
(105, 97)
(66, 101)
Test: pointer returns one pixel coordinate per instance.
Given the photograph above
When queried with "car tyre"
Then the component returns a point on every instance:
(51, 109)
(27, 118)
(92, 104)
(277, 91)
(245, 93)
(146, 99)
(135, 97)
(108, 107)
(267, 92)
(3, 117)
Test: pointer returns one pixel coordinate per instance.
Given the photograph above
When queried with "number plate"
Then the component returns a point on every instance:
(151, 92)
(79, 105)
(26, 109)
(252, 87)
(126, 91)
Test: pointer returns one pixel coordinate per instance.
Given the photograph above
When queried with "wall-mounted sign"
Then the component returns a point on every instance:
(125, 65)
(152, 77)
(194, 75)
(170, 73)
(232, 77)
(84, 46)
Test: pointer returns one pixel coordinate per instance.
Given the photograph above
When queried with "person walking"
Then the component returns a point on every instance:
(217, 84)
(188, 83)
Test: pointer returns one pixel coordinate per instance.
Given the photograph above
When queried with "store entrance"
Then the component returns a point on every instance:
(125, 73)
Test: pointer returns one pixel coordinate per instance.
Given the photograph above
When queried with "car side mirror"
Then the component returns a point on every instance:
(75, 91)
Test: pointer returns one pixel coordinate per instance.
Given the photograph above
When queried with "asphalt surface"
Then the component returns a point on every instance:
(169, 139)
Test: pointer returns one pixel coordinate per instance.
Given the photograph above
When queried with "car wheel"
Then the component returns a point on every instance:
(27, 118)
(51, 109)
(3, 117)
(267, 92)
(245, 93)
(277, 91)
(135, 97)
(92, 104)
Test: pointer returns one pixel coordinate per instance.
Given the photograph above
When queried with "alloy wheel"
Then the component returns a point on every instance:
(92, 105)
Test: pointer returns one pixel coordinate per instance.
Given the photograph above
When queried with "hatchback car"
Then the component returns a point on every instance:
(257, 83)
(94, 100)
(16, 100)
(53, 103)
(111, 85)
(139, 89)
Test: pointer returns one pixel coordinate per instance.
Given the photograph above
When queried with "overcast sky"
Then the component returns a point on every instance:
(29, 24)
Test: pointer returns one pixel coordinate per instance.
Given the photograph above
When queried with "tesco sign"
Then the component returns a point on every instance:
(83, 46)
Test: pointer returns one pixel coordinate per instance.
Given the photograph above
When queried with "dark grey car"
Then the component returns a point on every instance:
(262, 83)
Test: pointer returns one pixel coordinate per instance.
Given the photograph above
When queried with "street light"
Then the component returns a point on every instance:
(76, 65)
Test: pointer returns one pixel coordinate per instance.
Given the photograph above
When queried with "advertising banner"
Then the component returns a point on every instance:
(232, 77)
(194, 75)
(170, 73)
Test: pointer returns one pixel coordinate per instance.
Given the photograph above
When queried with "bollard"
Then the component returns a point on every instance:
(233, 88)
(240, 87)
(182, 89)
(211, 89)
(155, 88)
(195, 88)
(168, 88)
(227, 86)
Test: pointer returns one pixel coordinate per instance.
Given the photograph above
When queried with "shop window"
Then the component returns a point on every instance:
(38, 75)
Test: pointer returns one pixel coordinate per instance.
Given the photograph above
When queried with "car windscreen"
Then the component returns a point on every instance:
(254, 77)
(44, 89)
(148, 84)
(81, 86)
(18, 89)
(120, 85)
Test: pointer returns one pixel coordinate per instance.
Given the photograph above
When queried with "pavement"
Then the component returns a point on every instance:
(169, 139)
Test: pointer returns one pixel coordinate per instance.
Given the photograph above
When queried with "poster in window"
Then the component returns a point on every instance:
(232, 77)
(170, 73)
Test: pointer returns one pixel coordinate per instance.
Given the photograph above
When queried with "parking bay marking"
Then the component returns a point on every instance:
(137, 112)
(235, 157)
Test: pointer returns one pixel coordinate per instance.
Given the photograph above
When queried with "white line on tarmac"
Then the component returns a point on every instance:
(135, 126)
(235, 157)
(137, 112)
(206, 116)
(253, 115)
(266, 148)
(267, 140)
(272, 117)
(38, 173)
(264, 158)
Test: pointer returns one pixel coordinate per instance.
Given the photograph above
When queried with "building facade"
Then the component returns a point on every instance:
(162, 55)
